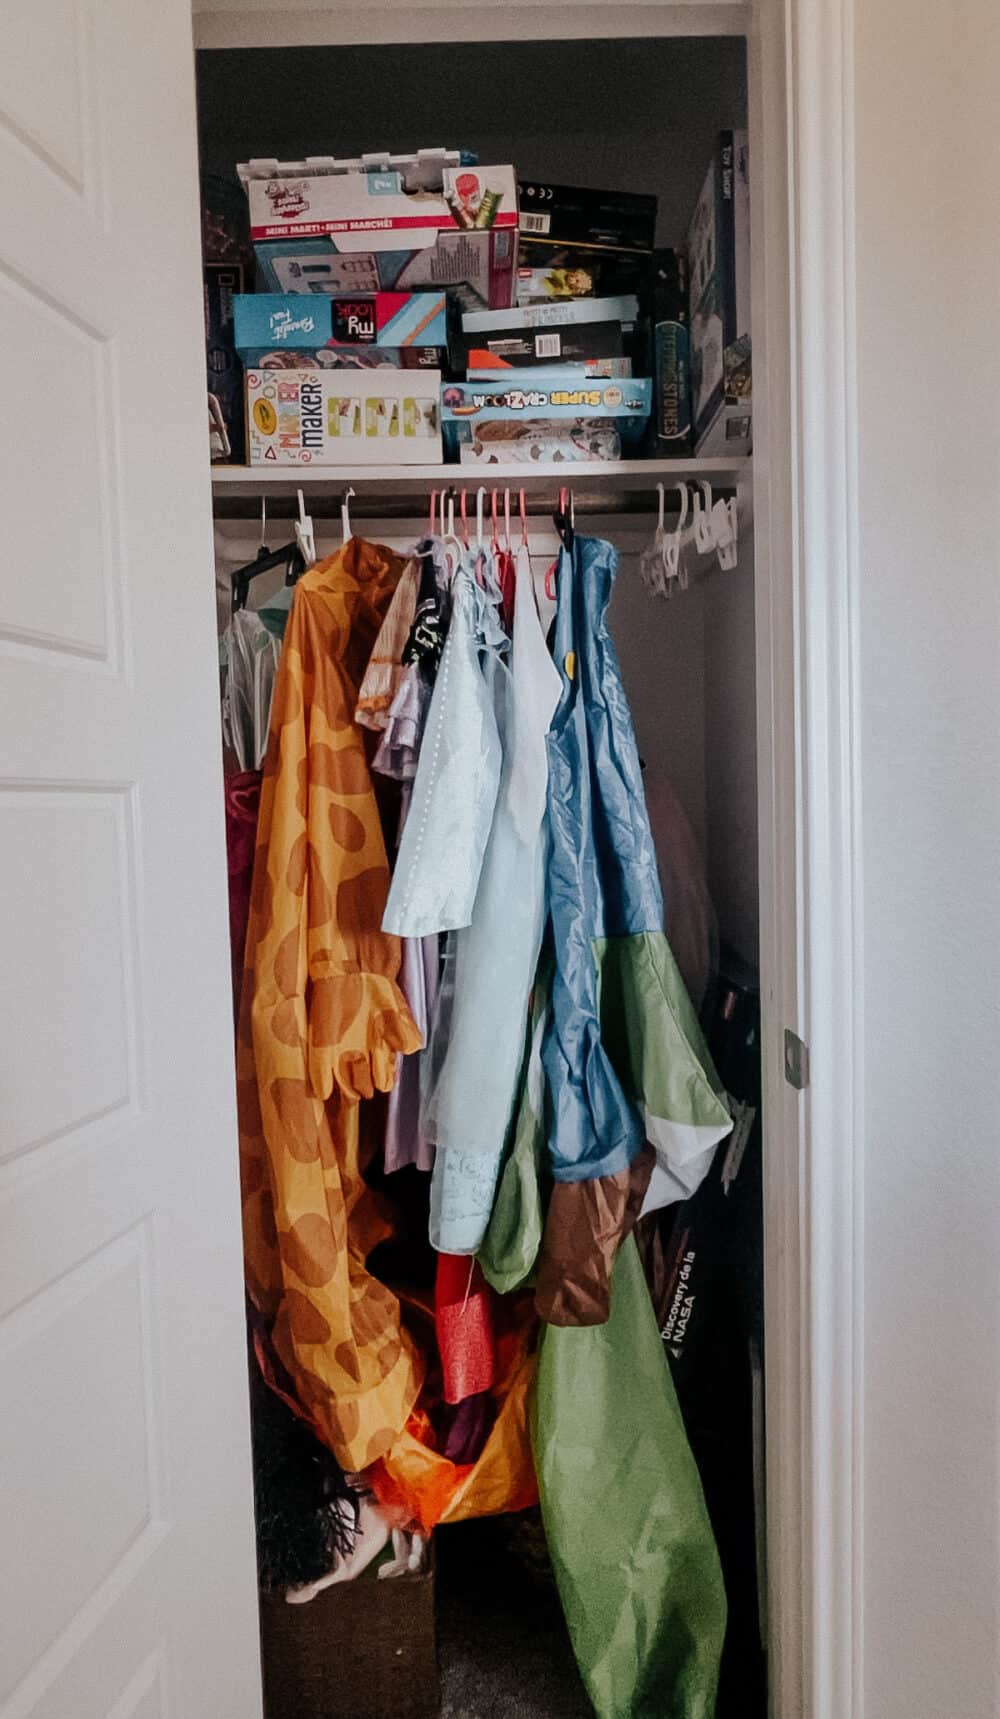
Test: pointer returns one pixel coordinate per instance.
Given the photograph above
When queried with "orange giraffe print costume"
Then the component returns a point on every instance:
(321, 1021)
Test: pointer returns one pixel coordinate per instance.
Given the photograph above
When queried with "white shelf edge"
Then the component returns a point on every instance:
(609, 475)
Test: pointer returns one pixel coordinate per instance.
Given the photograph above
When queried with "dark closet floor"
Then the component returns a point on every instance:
(502, 1645)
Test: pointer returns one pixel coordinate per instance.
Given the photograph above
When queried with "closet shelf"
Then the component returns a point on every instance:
(603, 486)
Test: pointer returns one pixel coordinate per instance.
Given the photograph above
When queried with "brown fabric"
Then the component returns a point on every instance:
(649, 1240)
(584, 1228)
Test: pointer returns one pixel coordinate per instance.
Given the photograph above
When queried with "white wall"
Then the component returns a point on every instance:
(928, 260)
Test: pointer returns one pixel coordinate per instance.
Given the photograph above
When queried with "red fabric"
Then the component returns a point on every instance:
(463, 1317)
(507, 580)
(242, 805)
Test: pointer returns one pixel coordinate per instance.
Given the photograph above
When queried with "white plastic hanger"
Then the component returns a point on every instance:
(704, 534)
(480, 508)
(672, 570)
(726, 533)
(345, 517)
(452, 546)
(305, 536)
(651, 561)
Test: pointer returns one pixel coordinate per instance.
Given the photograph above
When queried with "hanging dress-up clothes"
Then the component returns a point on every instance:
(625, 1059)
(249, 650)
(321, 1025)
(322, 1021)
(468, 1112)
(457, 776)
(412, 661)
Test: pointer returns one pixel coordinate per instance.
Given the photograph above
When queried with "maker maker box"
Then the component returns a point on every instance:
(343, 417)
(391, 229)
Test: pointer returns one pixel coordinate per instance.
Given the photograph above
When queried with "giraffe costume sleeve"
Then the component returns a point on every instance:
(322, 1021)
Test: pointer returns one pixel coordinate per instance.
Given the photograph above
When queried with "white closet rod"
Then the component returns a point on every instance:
(384, 502)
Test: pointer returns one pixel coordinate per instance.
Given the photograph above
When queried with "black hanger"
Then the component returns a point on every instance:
(562, 519)
(289, 555)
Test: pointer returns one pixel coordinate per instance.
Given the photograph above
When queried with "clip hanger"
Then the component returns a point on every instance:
(305, 536)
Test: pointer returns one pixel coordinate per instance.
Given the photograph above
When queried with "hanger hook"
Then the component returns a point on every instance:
(345, 515)
(661, 492)
(522, 509)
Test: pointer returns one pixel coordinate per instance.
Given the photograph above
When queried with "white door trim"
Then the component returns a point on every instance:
(806, 489)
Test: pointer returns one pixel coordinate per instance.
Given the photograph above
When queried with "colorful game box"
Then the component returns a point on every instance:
(343, 417)
(719, 263)
(475, 414)
(411, 226)
(402, 330)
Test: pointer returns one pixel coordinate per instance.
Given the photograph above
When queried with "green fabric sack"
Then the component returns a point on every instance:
(513, 1237)
(625, 1518)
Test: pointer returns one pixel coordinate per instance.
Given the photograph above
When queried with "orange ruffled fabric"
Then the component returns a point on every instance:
(322, 1023)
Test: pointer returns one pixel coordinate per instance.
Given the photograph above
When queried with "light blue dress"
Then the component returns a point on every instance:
(468, 1107)
(458, 772)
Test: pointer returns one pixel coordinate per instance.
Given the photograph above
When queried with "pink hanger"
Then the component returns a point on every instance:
(550, 577)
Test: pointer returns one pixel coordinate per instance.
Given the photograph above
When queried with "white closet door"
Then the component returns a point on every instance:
(126, 1560)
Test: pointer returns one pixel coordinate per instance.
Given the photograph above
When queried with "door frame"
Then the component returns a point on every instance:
(805, 483)
(807, 659)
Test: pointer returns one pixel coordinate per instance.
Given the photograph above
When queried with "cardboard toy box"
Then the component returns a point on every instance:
(221, 284)
(719, 264)
(546, 414)
(581, 243)
(364, 232)
(671, 421)
(408, 331)
(343, 417)
(568, 331)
